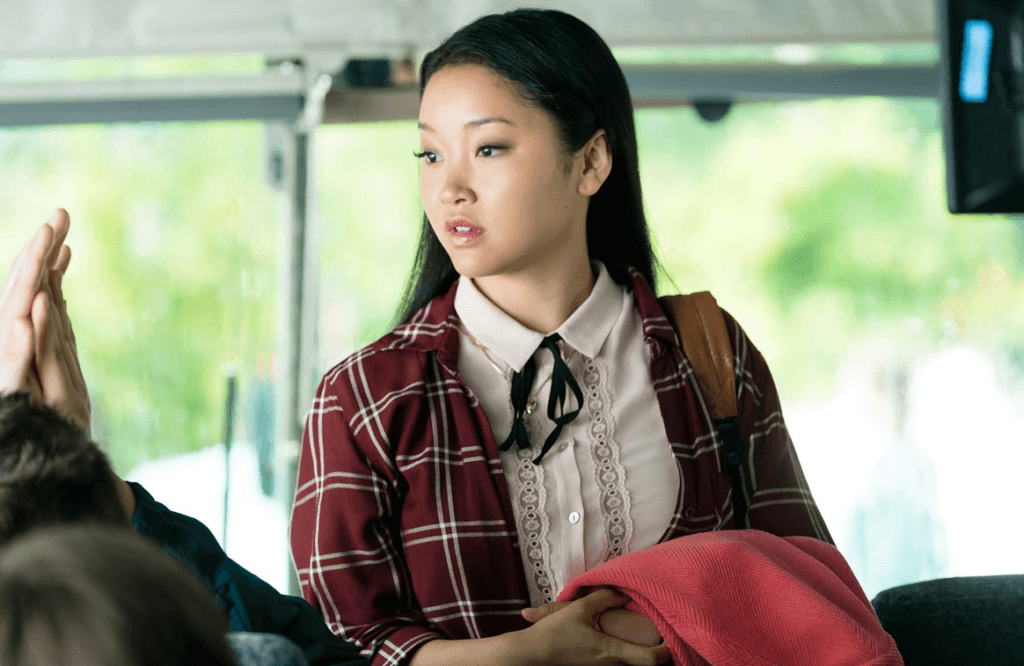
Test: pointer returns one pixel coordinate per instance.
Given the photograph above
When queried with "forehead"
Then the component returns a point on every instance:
(459, 94)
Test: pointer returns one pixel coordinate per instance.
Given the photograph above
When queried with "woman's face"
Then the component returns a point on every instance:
(493, 180)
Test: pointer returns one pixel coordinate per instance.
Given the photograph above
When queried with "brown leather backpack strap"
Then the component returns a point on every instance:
(706, 345)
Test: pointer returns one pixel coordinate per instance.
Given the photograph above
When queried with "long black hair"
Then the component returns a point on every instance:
(564, 68)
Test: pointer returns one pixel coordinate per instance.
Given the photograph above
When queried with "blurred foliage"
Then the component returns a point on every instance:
(820, 225)
(369, 213)
(173, 269)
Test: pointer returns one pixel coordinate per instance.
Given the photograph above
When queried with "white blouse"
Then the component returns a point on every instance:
(610, 483)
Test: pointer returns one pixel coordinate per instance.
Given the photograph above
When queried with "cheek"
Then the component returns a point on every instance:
(428, 196)
(425, 189)
(540, 198)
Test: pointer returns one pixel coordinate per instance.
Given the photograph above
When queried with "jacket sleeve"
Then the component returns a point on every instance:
(345, 526)
(778, 498)
(252, 604)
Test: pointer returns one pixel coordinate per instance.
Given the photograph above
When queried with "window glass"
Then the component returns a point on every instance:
(171, 289)
(892, 327)
(369, 225)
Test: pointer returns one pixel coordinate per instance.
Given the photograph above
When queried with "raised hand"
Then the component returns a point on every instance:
(38, 353)
(28, 272)
(56, 351)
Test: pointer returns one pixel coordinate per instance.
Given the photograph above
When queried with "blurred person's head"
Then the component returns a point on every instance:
(94, 595)
(528, 137)
(51, 472)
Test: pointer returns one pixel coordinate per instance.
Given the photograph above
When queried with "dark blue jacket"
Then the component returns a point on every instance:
(251, 603)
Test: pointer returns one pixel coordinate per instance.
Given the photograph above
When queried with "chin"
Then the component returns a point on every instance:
(481, 262)
(472, 269)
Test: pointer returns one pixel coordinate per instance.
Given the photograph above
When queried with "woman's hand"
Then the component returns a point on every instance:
(618, 622)
(571, 633)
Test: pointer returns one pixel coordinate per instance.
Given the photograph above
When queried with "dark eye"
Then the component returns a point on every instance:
(490, 150)
(430, 157)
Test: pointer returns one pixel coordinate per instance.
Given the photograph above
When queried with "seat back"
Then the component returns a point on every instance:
(966, 621)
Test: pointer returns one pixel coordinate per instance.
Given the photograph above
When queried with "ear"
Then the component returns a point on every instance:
(597, 163)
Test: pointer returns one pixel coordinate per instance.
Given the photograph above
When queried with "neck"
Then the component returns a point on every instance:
(545, 296)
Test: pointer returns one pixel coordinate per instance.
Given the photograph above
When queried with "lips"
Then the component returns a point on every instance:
(463, 229)
(462, 226)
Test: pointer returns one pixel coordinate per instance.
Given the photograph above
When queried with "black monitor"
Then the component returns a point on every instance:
(982, 65)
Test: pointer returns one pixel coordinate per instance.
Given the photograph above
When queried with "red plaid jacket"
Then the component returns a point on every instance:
(402, 529)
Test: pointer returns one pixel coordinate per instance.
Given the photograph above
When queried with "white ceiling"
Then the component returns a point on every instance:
(63, 28)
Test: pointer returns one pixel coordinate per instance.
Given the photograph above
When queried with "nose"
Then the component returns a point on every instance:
(455, 188)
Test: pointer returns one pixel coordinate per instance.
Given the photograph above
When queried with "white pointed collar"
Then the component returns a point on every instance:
(585, 330)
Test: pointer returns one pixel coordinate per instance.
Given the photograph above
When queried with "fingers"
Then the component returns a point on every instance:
(60, 375)
(38, 356)
(26, 274)
(629, 626)
(60, 223)
(63, 260)
(639, 655)
(540, 612)
(601, 600)
(604, 599)
(52, 374)
(69, 346)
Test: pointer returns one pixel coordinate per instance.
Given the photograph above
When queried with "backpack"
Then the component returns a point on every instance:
(701, 328)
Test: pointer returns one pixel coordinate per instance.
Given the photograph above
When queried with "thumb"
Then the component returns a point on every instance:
(603, 599)
(537, 614)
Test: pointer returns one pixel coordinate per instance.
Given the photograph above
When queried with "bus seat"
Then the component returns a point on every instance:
(956, 621)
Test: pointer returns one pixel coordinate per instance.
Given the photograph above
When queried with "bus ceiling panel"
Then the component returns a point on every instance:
(286, 28)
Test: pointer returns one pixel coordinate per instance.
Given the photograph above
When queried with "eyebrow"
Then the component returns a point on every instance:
(478, 122)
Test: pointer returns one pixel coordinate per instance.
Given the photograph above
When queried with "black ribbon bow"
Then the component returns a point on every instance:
(522, 382)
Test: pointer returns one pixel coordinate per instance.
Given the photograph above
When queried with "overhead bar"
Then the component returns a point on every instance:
(676, 85)
(280, 97)
(665, 84)
(20, 114)
(268, 97)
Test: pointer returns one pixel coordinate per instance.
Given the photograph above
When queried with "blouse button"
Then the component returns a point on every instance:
(574, 517)
(564, 446)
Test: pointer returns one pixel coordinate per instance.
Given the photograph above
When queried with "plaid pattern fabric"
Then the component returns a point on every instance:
(402, 528)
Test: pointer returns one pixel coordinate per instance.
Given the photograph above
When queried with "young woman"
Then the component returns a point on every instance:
(532, 415)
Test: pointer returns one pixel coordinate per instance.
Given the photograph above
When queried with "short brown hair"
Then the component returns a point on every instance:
(94, 595)
(51, 472)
